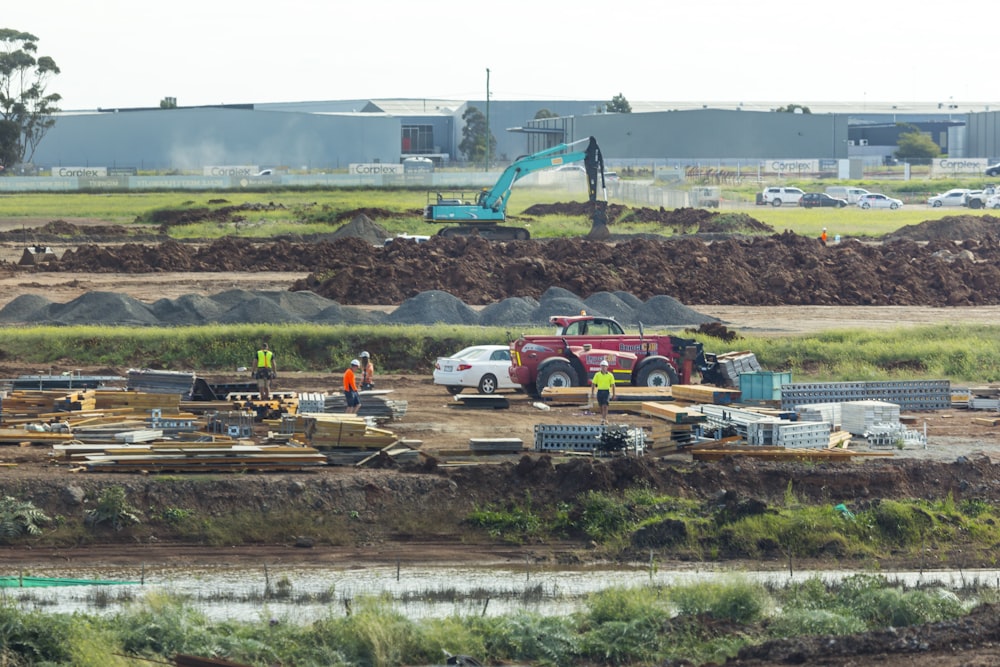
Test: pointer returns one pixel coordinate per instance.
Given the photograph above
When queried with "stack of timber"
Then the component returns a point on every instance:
(31, 403)
(139, 401)
(338, 431)
(720, 449)
(625, 397)
(211, 457)
(701, 393)
(674, 427)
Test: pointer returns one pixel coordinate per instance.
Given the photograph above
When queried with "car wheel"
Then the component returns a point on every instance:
(996, 205)
(488, 384)
(839, 204)
(454, 390)
(557, 374)
(975, 203)
(937, 204)
(776, 202)
(893, 206)
(866, 205)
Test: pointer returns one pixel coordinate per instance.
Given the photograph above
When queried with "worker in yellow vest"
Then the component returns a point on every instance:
(265, 370)
(604, 385)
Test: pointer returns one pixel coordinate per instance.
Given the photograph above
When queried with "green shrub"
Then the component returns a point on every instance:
(734, 600)
(795, 622)
(114, 509)
(603, 516)
(19, 517)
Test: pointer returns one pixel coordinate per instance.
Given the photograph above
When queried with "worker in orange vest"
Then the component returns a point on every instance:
(351, 396)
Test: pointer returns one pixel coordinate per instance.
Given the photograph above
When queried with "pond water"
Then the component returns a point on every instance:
(303, 594)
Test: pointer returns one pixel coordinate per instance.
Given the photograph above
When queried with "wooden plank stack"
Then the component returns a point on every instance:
(674, 425)
(339, 431)
(700, 393)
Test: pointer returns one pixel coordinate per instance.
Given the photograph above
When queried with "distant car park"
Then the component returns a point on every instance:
(878, 200)
(821, 199)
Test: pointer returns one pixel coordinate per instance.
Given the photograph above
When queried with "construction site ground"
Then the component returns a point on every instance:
(958, 460)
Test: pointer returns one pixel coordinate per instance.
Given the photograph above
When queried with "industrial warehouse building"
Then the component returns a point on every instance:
(320, 136)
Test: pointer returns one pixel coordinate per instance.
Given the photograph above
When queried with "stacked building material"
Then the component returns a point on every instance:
(234, 423)
(907, 394)
(580, 437)
(202, 458)
(733, 364)
(32, 403)
(820, 412)
(581, 395)
(373, 404)
(674, 427)
(858, 417)
(161, 382)
(333, 431)
(701, 393)
(139, 401)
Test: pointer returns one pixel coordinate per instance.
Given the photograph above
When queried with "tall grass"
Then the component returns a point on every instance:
(961, 353)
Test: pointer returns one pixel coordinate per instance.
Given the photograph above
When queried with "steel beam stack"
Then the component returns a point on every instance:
(579, 437)
(907, 394)
(161, 382)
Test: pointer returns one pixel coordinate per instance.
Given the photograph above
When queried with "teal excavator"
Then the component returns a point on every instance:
(484, 215)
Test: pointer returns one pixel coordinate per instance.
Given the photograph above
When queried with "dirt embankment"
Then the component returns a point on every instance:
(924, 266)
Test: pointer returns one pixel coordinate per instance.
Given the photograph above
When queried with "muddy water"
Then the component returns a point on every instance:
(304, 594)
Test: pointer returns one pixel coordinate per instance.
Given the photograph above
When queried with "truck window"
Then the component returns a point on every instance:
(576, 329)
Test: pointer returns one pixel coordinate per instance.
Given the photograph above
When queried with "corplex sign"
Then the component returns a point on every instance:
(966, 165)
(373, 169)
(791, 166)
(231, 170)
(90, 172)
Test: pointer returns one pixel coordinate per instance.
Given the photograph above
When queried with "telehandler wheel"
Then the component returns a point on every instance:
(656, 373)
(557, 374)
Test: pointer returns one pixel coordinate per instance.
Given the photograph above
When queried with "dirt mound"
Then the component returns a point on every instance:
(681, 220)
(362, 227)
(939, 643)
(952, 228)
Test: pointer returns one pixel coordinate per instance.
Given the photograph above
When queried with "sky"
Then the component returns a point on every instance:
(133, 53)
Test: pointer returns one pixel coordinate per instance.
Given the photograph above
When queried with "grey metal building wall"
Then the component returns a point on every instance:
(983, 138)
(510, 114)
(188, 139)
(716, 133)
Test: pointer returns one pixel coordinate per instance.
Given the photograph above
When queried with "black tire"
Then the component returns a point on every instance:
(841, 204)
(656, 373)
(937, 204)
(776, 202)
(488, 384)
(975, 203)
(893, 206)
(866, 205)
(557, 374)
(454, 390)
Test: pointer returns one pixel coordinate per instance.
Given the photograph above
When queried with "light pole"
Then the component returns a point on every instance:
(486, 155)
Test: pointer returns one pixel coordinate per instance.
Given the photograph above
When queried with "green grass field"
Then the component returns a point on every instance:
(316, 211)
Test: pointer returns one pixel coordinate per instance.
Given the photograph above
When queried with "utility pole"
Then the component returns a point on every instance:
(486, 158)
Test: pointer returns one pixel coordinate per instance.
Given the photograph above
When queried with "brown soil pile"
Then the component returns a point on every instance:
(955, 262)
(681, 220)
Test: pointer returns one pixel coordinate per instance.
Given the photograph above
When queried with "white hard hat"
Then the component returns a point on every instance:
(604, 362)
(355, 362)
(365, 354)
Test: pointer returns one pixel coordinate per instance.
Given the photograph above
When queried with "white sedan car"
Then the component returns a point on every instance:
(954, 197)
(481, 367)
(878, 200)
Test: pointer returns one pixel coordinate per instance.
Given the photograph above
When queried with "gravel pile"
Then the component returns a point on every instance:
(276, 307)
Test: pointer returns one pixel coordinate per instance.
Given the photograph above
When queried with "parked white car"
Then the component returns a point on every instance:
(778, 196)
(993, 201)
(953, 197)
(878, 200)
(481, 367)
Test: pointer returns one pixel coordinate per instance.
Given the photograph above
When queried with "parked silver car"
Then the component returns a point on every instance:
(878, 200)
